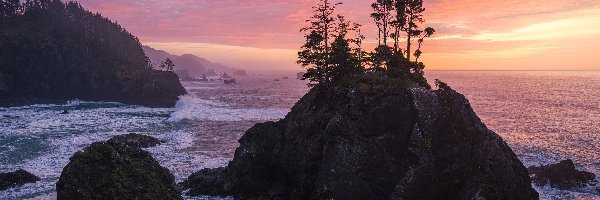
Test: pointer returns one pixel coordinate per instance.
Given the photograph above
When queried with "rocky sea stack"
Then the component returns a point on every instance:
(114, 170)
(372, 140)
(54, 52)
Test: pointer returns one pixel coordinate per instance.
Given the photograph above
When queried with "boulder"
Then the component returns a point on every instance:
(16, 179)
(205, 182)
(561, 175)
(136, 140)
(113, 170)
(375, 140)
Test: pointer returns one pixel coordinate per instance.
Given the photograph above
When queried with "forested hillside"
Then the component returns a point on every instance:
(55, 51)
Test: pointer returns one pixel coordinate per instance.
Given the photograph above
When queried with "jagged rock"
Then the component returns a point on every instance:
(205, 182)
(561, 175)
(372, 141)
(136, 140)
(16, 179)
(113, 170)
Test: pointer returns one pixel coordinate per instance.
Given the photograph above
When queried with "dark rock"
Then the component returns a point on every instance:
(229, 81)
(59, 59)
(561, 175)
(136, 140)
(372, 141)
(205, 182)
(16, 179)
(112, 170)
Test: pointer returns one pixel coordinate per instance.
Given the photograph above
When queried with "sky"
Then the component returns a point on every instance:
(260, 35)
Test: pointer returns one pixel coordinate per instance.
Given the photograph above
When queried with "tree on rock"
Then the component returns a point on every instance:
(330, 53)
(167, 65)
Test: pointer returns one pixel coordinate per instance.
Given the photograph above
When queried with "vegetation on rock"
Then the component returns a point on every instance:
(55, 51)
(333, 51)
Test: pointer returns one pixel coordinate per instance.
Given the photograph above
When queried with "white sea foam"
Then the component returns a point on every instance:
(192, 108)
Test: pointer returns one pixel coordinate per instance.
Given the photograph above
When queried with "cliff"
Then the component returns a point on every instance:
(55, 51)
(371, 140)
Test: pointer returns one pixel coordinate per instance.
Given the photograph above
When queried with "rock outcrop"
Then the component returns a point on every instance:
(136, 140)
(58, 51)
(113, 170)
(371, 141)
(561, 175)
(16, 179)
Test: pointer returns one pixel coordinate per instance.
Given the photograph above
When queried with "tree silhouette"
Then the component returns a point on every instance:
(316, 51)
(167, 65)
(423, 34)
(344, 58)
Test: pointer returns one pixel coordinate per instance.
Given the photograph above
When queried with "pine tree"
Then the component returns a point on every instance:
(316, 51)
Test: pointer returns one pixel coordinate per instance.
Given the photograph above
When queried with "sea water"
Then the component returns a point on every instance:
(543, 116)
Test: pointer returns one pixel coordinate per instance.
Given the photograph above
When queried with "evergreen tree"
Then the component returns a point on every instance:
(345, 60)
(316, 51)
(167, 65)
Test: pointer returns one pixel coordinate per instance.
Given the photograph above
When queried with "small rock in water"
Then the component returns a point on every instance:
(136, 140)
(205, 182)
(113, 170)
(561, 175)
(16, 179)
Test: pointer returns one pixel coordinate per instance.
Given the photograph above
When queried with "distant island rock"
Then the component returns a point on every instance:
(55, 51)
(114, 170)
(16, 179)
(374, 139)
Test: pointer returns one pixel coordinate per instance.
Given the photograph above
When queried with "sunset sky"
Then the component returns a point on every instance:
(471, 34)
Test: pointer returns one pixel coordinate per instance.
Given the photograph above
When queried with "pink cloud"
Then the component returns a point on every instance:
(460, 24)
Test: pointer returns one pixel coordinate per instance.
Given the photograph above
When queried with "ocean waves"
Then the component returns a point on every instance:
(191, 108)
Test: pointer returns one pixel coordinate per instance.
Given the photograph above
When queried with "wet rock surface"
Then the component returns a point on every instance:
(113, 170)
(561, 175)
(371, 142)
(16, 179)
(136, 140)
(205, 182)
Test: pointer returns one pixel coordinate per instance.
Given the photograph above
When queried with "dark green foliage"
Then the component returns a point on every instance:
(330, 54)
(50, 50)
(113, 170)
(343, 58)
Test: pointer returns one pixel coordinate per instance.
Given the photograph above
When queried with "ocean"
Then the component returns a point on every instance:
(544, 116)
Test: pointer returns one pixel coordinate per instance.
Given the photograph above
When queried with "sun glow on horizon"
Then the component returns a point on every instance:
(471, 35)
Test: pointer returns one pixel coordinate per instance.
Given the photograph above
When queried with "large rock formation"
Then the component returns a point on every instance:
(52, 52)
(371, 141)
(562, 175)
(114, 170)
(16, 179)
